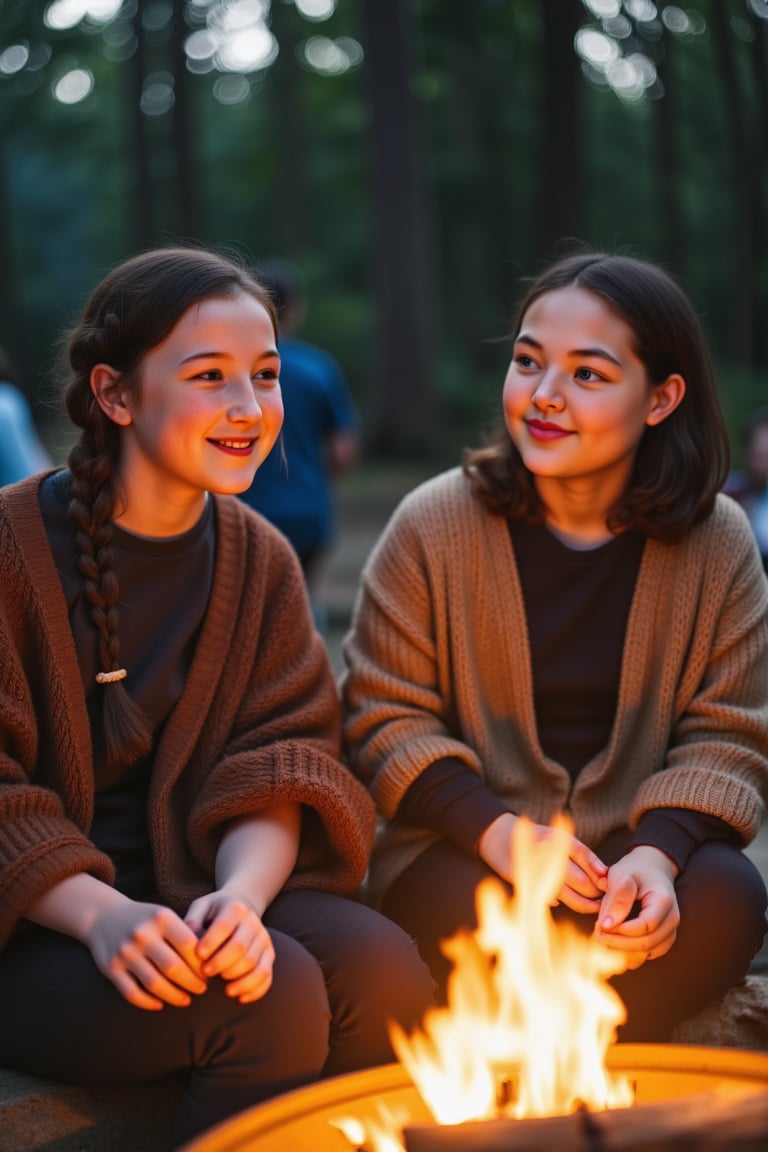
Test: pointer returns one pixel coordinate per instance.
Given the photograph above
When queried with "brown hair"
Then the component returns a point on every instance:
(682, 462)
(132, 310)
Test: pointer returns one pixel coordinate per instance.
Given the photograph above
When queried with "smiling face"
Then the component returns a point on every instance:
(206, 413)
(577, 399)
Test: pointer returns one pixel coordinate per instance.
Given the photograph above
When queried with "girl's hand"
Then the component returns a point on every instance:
(585, 879)
(233, 944)
(646, 876)
(148, 953)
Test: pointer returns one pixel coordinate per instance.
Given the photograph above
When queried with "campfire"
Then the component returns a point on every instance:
(525, 994)
(523, 1055)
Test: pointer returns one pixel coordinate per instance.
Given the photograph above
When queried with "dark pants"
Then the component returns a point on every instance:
(341, 972)
(722, 902)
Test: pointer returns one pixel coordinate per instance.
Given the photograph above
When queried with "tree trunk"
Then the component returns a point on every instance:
(668, 171)
(291, 207)
(141, 199)
(403, 411)
(187, 203)
(760, 66)
(741, 274)
(559, 203)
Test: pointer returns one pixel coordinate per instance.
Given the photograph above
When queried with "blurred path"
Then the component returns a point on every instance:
(366, 500)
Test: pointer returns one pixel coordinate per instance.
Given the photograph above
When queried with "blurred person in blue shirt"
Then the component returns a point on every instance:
(294, 488)
(21, 451)
(750, 485)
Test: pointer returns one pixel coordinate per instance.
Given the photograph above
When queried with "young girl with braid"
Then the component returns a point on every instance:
(576, 622)
(177, 832)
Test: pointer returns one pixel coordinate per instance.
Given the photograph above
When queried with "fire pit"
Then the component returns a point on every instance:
(688, 1098)
(522, 1055)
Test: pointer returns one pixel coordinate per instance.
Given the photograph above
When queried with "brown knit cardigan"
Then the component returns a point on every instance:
(439, 666)
(257, 722)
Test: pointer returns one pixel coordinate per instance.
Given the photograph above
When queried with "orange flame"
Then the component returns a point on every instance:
(530, 1014)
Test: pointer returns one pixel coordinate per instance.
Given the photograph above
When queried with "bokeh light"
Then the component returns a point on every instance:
(316, 9)
(644, 11)
(63, 14)
(157, 96)
(73, 86)
(235, 39)
(611, 48)
(595, 47)
(603, 9)
(13, 59)
(676, 20)
(331, 57)
(247, 50)
(232, 89)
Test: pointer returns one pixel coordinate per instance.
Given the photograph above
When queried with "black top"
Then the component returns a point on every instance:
(577, 607)
(164, 584)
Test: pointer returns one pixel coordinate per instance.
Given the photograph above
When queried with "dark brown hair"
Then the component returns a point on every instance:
(133, 309)
(682, 462)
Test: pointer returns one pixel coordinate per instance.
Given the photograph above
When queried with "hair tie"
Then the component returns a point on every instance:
(111, 677)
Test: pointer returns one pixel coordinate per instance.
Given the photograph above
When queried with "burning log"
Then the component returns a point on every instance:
(718, 1121)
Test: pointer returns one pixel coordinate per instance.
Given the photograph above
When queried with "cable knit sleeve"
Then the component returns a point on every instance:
(44, 806)
(717, 756)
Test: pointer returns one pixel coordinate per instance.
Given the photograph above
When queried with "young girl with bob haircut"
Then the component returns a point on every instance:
(575, 622)
(176, 828)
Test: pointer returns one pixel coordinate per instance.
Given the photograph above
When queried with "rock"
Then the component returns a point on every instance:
(739, 1020)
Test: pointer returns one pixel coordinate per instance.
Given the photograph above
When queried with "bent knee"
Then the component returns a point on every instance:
(299, 1001)
(386, 971)
(722, 887)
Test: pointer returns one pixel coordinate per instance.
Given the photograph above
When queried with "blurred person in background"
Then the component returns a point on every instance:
(750, 485)
(294, 488)
(21, 450)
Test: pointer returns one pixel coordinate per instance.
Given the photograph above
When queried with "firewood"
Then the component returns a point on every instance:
(732, 1120)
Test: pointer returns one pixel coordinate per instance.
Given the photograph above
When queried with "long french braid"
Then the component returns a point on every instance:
(132, 311)
(125, 731)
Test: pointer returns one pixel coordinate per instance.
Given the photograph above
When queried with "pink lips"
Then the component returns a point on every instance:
(543, 430)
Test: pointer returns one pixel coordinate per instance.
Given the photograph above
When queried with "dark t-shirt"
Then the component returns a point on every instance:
(164, 588)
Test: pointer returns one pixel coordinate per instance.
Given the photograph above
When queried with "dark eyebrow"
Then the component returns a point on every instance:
(270, 354)
(599, 353)
(523, 338)
(203, 356)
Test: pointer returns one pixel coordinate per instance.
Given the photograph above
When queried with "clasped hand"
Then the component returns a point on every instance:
(643, 878)
(154, 957)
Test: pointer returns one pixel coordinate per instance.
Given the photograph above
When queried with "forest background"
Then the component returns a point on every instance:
(415, 158)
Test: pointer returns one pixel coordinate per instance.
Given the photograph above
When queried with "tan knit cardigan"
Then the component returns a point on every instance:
(258, 721)
(438, 665)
